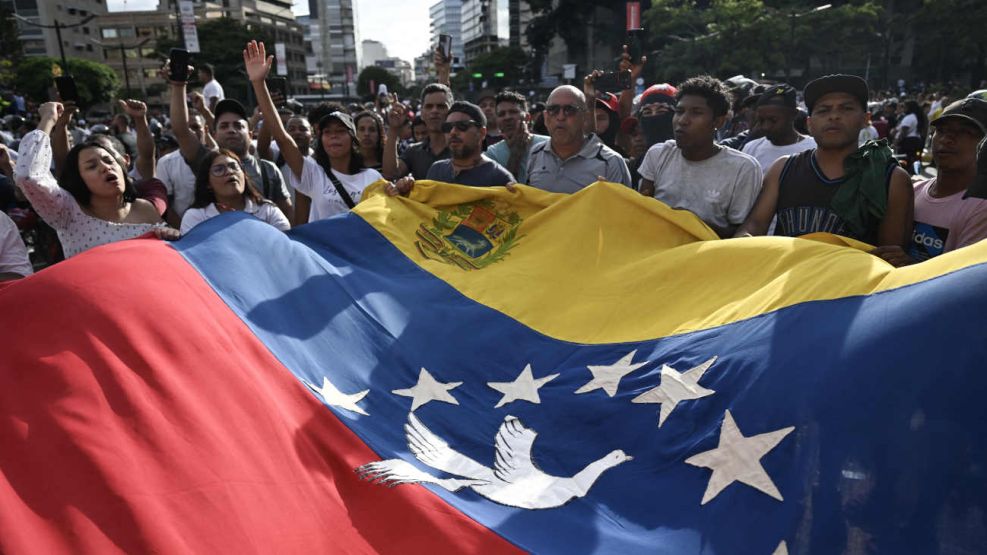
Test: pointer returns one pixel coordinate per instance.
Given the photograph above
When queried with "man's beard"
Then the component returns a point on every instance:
(466, 151)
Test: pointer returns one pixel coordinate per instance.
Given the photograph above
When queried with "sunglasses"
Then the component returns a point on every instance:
(219, 170)
(568, 109)
(461, 125)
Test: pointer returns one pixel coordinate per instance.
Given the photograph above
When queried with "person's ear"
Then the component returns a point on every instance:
(719, 122)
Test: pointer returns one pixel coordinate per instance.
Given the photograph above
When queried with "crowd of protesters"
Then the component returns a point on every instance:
(747, 158)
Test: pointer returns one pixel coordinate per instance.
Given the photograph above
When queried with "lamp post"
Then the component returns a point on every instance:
(123, 57)
(57, 26)
(792, 16)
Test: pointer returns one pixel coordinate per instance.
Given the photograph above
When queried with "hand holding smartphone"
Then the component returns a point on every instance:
(67, 90)
(613, 81)
(178, 60)
(278, 86)
(445, 46)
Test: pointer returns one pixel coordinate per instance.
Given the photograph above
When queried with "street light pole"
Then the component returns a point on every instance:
(57, 26)
(123, 57)
(792, 16)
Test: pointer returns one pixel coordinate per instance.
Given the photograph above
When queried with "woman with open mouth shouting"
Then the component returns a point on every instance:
(94, 201)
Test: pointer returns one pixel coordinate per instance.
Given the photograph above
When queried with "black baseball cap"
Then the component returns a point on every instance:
(230, 105)
(342, 118)
(971, 110)
(471, 110)
(781, 94)
(849, 84)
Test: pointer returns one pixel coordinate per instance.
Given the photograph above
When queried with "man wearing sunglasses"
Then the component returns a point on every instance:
(571, 160)
(465, 129)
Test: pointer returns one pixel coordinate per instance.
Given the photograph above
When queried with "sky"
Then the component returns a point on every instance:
(402, 25)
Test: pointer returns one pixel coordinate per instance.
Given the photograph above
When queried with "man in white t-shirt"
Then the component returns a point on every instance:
(211, 90)
(717, 184)
(178, 177)
(14, 261)
(774, 119)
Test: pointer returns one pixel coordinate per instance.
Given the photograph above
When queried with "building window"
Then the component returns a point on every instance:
(109, 33)
(85, 30)
(89, 48)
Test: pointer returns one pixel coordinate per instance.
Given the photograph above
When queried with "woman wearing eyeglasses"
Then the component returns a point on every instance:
(335, 176)
(222, 186)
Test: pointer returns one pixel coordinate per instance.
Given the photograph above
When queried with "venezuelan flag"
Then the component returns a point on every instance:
(587, 373)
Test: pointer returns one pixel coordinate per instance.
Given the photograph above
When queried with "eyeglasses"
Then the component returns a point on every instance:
(219, 170)
(461, 125)
(568, 109)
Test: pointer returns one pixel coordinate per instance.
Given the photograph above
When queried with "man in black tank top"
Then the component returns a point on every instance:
(813, 191)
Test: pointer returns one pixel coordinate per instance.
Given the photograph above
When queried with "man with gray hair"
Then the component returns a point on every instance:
(570, 160)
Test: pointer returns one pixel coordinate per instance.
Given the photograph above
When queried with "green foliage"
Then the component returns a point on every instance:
(221, 42)
(953, 40)
(97, 83)
(11, 49)
(729, 37)
(511, 61)
(379, 76)
(569, 19)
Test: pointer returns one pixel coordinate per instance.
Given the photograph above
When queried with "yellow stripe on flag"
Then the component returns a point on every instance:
(607, 265)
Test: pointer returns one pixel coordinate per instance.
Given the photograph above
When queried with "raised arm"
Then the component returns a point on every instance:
(60, 136)
(258, 64)
(137, 111)
(53, 203)
(627, 95)
(443, 67)
(188, 143)
(391, 167)
(766, 205)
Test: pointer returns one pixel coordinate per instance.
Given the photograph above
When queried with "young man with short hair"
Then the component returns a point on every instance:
(465, 128)
(212, 91)
(774, 121)
(946, 218)
(691, 172)
(417, 159)
(513, 152)
(835, 187)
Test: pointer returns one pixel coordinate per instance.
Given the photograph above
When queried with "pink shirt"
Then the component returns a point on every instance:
(945, 224)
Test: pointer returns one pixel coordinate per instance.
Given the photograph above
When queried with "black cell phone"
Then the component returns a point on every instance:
(279, 85)
(613, 81)
(445, 45)
(178, 61)
(67, 90)
(634, 45)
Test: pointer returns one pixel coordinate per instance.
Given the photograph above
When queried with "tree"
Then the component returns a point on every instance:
(574, 21)
(221, 42)
(11, 49)
(379, 76)
(97, 83)
(953, 41)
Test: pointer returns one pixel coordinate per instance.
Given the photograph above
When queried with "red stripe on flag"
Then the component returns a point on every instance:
(140, 414)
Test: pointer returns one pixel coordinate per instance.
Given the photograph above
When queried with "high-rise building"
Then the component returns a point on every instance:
(446, 19)
(335, 42)
(38, 41)
(490, 24)
(373, 50)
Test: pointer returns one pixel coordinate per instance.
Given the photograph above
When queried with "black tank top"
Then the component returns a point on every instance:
(804, 198)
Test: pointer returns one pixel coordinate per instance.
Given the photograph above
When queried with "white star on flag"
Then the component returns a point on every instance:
(608, 377)
(676, 387)
(738, 459)
(429, 389)
(524, 388)
(336, 398)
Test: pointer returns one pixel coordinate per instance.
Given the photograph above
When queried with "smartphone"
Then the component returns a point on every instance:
(613, 81)
(634, 47)
(178, 61)
(67, 90)
(279, 85)
(445, 45)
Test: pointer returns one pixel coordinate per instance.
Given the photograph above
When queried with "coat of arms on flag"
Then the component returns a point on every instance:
(650, 389)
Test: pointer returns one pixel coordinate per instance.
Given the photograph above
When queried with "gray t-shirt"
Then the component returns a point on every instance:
(486, 174)
(721, 190)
